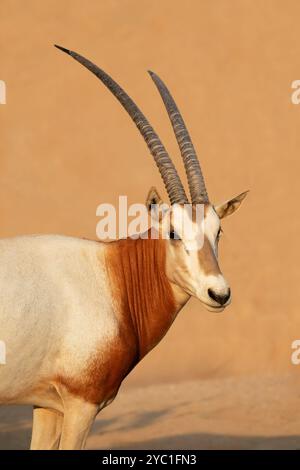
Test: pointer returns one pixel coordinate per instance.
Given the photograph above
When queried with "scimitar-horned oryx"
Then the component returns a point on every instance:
(77, 315)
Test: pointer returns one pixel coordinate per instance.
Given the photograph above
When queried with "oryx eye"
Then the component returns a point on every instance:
(219, 233)
(173, 235)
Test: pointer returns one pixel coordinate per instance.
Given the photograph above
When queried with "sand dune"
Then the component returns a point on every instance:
(231, 71)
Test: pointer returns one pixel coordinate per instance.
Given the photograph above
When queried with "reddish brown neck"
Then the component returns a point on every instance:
(145, 299)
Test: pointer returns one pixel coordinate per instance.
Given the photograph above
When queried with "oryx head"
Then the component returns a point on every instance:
(192, 253)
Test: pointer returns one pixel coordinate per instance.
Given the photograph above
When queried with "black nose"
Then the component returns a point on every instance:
(220, 298)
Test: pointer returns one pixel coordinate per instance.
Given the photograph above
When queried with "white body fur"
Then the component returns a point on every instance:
(55, 307)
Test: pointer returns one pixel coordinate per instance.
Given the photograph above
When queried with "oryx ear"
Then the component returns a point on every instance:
(153, 198)
(229, 207)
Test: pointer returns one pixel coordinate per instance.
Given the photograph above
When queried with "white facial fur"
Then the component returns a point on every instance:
(192, 260)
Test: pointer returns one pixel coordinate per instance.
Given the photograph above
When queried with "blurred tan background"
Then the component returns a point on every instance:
(66, 145)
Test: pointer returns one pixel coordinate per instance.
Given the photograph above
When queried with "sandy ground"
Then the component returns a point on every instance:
(239, 413)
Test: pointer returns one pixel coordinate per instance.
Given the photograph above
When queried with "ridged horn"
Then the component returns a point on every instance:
(164, 163)
(191, 163)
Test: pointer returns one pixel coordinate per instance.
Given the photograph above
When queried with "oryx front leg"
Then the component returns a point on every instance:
(79, 416)
(46, 430)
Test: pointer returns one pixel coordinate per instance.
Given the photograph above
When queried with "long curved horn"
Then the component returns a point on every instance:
(164, 163)
(192, 167)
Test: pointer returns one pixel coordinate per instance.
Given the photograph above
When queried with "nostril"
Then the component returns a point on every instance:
(212, 295)
(227, 296)
(220, 298)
